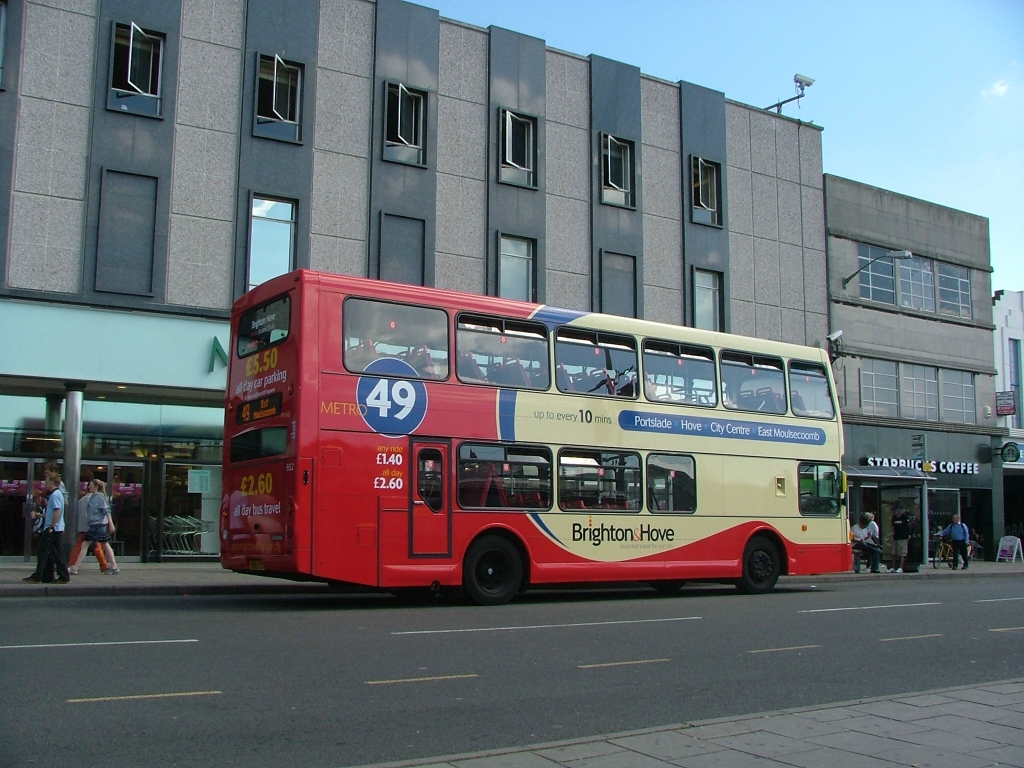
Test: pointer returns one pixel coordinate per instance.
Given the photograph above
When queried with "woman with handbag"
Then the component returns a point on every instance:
(81, 548)
(101, 524)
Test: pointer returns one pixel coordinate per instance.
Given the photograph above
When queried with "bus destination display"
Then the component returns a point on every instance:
(260, 408)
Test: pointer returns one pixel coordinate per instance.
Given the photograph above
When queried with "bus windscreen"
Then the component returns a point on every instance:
(261, 327)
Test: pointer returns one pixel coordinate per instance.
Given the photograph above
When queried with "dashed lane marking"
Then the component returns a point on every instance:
(138, 696)
(867, 607)
(83, 645)
(543, 626)
(908, 637)
(1007, 629)
(999, 599)
(622, 663)
(419, 679)
(790, 648)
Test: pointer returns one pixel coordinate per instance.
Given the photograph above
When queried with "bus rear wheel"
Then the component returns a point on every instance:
(760, 567)
(492, 572)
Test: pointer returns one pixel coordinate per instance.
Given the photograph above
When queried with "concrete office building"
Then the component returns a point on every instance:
(910, 285)
(1008, 317)
(161, 158)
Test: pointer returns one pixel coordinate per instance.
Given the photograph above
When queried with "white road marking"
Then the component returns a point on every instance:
(867, 607)
(144, 696)
(790, 648)
(1007, 629)
(909, 637)
(622, 663)
(542, 626)
(999, 599)
(418, 679)
(83, 645)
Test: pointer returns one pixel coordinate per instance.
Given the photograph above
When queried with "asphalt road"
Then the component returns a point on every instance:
(348, 680)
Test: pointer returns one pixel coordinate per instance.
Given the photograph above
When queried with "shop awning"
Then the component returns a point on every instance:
(884, 473)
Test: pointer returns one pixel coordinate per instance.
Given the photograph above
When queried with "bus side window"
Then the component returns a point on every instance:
(671, 483)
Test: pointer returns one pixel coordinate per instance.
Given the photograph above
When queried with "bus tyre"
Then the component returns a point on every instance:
(760, 567)
(668, 587)
(492, 572)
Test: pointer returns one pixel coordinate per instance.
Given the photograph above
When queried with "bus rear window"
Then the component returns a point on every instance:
(809, 391)
(509, 353)
(259, 444)
(259, 328)
(378, 330)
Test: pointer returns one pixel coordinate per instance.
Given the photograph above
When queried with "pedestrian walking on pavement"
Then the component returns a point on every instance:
(960, 537)
(93, 515)
(51, 549)
(900, 536)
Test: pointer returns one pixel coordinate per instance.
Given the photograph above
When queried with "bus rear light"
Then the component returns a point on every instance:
(291, 389)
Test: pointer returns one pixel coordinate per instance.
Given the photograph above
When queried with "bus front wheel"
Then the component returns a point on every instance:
(760, 567)
(492, 572)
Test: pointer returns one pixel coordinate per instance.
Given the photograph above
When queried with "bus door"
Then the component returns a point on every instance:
(430, 515)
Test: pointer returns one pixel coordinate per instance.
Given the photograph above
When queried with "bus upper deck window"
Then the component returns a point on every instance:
(753, 383)
(503, 352)
(413, 339)
(595, 363)
(809, 393)
(264, 326)
(679, 373)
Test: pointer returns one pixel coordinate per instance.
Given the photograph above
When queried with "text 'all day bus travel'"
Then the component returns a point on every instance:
(402, 437)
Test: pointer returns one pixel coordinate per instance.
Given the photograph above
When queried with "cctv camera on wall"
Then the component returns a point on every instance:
(835, 336)
(803, 81)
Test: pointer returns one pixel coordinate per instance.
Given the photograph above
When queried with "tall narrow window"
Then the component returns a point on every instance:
(271, 240)
(515, 269)
(404, 139)
(954, 290)
(879, 388)
(917, 284)
(278, 99)
(707, 196)
(518, 153)
(618, 284)
(958, 403)
(1015, 376)
(919, 392)
(877, 275)
(135, 73)
(617, 171)
(707, 300)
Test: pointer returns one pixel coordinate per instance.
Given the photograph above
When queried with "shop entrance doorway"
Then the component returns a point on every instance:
(189, 511)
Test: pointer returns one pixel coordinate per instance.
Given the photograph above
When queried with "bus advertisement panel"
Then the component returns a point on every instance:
(401, 437)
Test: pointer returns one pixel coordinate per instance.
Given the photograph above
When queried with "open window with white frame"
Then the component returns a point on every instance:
(518, 149)
(707, 192)
(278, 99)
(135, 70)
(617, 171)
(405, 124)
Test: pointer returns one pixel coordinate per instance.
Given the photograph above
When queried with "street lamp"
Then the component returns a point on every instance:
(894, 255)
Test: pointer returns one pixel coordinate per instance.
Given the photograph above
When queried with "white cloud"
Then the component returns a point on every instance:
(997, 90)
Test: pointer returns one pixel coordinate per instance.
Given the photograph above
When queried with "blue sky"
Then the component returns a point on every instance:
(921, 98)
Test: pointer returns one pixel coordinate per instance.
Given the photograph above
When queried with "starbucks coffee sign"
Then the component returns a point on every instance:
(929, 466)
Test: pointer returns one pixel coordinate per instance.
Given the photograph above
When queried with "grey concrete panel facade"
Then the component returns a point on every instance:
(407, 45)
(10, 84)
(274, 167)
(518, 84)
(615, 110)
(776, 212)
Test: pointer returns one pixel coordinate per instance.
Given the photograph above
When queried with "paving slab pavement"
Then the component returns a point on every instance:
(912, 729)
(208, 578)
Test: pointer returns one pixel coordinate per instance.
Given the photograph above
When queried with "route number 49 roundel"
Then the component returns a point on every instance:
(391, 407)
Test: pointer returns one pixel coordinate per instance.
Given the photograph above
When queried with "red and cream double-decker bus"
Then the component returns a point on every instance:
(402, 437)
